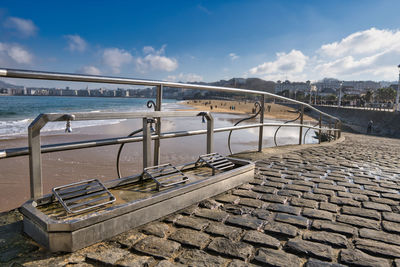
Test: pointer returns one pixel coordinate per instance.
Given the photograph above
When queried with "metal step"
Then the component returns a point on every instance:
(83, 196)
(216, 162)
(165, 175)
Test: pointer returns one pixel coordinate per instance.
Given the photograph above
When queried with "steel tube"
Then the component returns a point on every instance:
(28, 74)
(301, 123)
(261, 129)
(158, 125)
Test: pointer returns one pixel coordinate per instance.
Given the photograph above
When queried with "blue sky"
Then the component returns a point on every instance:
(204, 40)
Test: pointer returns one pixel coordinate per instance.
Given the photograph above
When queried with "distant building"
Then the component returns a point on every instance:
(293, 87)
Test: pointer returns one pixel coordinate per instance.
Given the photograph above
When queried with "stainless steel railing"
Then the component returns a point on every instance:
(35, 149)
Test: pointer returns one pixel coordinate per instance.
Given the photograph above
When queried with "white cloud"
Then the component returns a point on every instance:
(115, 58)
(24, 27)
(155, 60)
(233, 56)
(372, 54)
(188, 77)
(76, 43)
(293, 62)
(363, 43)
(14, 53)
(90, 70)
(369, 54)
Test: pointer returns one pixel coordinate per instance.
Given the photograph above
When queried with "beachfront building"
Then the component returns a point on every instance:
(292, 87)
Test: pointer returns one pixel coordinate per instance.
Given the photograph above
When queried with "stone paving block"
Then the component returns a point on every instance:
(323, 192)
(237, 209)
(283, 208)
(347, 184)
(195, 257)
(262, 214)
(371, 214)
(246, 222)
(230, 232)
(334, 227)
(391, 227)
(311, 249)
(386, 201)
(380, 189)
(317, 263)
(190, 237)
(245, 193)
(390, 216)
(128, 239)
(264, 189)
(133, 260)
(391, 196)
(227, 198)
(376, 206)
(281, 229)
(319, 180)
(157, 247)
(332, 187)
(189, 210)
(239, 263)
(359, 221)
(194, 223)
(359, 258)
(215, 215)
(273, 198)
(301, 202)
(313, 196)
(261, 239)
(318, 214)
(357, 197)
(230, 248)
(278, 258)
(344, 201)
(107, 256)
(292, 219)
(156, 228)
(377, 248)
(380, 236)
(298, 187)
(254, 203)
(332, 239)
(328, 207)
(289, 193)
(166, 263)
(364, 192)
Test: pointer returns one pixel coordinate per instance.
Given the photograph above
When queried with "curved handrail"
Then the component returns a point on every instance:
(41, 75)
(298, 111)
(149, 104)
(305, 134)
(256, 104)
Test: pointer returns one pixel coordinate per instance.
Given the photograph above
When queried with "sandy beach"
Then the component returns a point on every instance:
(61, 168)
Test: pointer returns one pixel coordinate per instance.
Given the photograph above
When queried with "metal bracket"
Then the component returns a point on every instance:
(165, 175)
(215, 161)
(83, 196)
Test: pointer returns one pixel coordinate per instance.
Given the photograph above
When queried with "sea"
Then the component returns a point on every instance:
(17, 112)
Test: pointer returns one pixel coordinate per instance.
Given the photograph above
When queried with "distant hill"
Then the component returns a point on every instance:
(249, 83)
(9, 85)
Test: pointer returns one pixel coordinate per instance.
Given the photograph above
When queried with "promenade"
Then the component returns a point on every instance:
(330, 205)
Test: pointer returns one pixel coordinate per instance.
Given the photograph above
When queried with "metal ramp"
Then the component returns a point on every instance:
(83, 196)
(165, 175)
(215, 161)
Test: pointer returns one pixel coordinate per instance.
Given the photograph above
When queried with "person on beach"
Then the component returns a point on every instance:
(369, 128)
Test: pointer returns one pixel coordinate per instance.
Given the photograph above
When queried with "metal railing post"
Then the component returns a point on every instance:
(158, 125)
(210, 134)
(335, 133)
(146, 143)
(35, 163)
(261, 129)
(329, 131)
(301, 122)
(320, 131)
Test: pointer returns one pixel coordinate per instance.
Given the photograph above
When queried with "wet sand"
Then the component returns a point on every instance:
(66, 167)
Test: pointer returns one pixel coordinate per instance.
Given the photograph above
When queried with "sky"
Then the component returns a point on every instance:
(192, 40)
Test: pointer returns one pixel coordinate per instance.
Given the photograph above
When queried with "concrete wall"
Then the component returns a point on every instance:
(385, 123)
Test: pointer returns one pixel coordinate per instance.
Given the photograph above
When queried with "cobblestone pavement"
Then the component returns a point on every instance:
(321, 206)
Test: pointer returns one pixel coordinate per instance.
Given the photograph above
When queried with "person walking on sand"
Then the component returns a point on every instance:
(369, 128)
